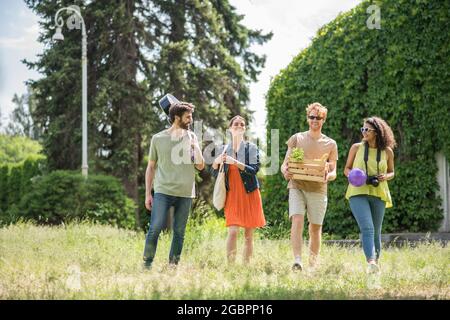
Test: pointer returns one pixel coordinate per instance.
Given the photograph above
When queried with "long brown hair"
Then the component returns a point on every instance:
(385, 136)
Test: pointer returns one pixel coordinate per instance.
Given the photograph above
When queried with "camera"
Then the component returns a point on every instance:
(373, 180)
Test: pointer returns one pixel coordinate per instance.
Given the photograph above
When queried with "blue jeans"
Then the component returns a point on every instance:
(369, 212)
(160, 211)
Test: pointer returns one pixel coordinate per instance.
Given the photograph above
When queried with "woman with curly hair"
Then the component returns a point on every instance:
(374, 155)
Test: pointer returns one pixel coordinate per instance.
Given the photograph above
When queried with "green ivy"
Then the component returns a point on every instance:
(401, 73)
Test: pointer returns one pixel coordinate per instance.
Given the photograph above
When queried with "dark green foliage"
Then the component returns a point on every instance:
(138, 50)
(15, 182)
(15, 185)
(401, 73)
(3, 187)
(64, 196)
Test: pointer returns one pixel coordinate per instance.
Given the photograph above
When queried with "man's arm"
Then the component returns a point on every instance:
(331, 164)
(284, 167)
(149, 177)
(198, 157)
(199, 161)
(331, 175)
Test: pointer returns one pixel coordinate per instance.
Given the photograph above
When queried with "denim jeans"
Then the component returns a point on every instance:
(160, 211)
(369, 212)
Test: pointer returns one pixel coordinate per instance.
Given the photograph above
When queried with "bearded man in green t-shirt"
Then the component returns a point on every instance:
(174, 155)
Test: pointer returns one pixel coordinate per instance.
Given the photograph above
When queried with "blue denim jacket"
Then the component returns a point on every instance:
(249, 155)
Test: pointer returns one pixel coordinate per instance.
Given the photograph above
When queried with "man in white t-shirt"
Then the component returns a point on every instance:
(309, 197)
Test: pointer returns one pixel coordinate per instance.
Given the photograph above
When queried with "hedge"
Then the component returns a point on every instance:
(15, 179)
(65, 196)
(400, 73)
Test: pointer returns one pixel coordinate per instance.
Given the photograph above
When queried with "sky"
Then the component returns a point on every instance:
(19, 31)
(294, 24)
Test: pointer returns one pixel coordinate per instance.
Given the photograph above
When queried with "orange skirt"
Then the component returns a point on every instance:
(241, 208)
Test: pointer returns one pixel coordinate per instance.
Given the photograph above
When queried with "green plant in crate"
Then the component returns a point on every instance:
(297, 154)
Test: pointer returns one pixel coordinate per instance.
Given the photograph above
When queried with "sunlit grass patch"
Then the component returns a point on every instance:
(89, 261)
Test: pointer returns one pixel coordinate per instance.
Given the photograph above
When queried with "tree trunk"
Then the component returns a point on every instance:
(178, 19)
(129, 137)
(177, 34)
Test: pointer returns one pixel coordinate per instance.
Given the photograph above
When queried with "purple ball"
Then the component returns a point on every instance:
(357, 177)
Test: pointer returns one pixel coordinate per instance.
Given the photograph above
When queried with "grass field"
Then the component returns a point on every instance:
(87, 261)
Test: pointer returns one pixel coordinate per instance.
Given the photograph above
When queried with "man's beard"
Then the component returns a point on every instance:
(185, 126)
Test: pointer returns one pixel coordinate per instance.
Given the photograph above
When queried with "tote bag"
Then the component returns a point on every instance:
(220, 191)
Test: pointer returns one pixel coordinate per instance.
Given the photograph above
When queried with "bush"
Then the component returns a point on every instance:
(400, 73)
(15, 180)
(64, 196)
(3, 188)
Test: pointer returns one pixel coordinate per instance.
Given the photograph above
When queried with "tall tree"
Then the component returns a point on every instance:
(201, 52)
(21, 121)
(138, 50)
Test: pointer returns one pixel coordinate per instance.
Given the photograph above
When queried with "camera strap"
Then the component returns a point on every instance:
(366, 158)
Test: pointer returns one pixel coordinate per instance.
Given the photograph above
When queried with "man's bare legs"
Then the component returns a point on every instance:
(315, 239)
(297, 223)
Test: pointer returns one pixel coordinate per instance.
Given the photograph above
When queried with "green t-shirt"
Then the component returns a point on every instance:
(175, 172)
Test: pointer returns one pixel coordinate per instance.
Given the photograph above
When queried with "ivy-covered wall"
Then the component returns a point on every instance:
(401, 73)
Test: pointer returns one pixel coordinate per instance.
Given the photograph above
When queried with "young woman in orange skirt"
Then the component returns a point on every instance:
(243, 206)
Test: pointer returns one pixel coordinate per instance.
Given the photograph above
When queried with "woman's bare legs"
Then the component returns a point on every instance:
(248, 246)
(233, 233)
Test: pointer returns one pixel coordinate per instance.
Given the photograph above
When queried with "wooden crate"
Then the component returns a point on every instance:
(308, 170)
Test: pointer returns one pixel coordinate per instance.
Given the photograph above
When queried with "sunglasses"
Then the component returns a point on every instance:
(365, 129)
(239, 124)
(315, 117)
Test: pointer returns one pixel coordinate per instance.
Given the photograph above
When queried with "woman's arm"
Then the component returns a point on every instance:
(214, 168)
(231, 160)
(390, 166)
(252, 167)
(351, 158)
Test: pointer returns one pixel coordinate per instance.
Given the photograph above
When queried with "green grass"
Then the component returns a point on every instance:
(41, 263)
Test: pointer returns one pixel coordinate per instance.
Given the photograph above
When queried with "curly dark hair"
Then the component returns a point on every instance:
(385, 136)
(179, 108)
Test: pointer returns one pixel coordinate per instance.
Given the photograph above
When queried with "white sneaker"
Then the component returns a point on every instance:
(373, 268)
(374, 281)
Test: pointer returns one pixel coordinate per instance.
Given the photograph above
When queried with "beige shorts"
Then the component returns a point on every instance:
(312, 203)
